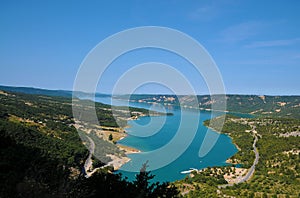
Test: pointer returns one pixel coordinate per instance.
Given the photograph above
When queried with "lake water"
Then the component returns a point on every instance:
(222, 150)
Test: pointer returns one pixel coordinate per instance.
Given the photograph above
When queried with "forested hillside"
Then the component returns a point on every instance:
(42, 154)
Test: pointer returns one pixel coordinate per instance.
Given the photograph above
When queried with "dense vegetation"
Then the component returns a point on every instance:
(42, 154)
(27, 172)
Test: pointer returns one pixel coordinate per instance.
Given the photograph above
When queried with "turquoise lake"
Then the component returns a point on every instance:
(222, 150)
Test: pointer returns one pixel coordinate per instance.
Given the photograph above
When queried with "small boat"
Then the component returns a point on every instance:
(189, 171)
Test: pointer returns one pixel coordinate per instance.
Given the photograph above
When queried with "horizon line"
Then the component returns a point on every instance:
(170, 94)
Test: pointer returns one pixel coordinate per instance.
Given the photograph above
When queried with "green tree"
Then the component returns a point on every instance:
(145, 189)
(110, 137)
(142, 182)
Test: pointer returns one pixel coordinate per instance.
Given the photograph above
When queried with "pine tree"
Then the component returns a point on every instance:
(110, 137)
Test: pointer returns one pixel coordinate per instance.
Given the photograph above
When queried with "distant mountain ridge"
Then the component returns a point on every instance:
(263, 105)
(267, 106)
(39, 91)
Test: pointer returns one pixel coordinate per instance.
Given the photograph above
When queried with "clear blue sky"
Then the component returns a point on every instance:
(256, 44)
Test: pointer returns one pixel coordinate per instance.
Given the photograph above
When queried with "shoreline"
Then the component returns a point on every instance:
(128, 149)
(117, 161)
(229, 160)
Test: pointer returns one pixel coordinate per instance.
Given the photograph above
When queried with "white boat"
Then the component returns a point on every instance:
(189, 171)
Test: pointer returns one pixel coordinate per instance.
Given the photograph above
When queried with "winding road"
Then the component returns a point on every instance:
(252, 168)
(88, 162)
